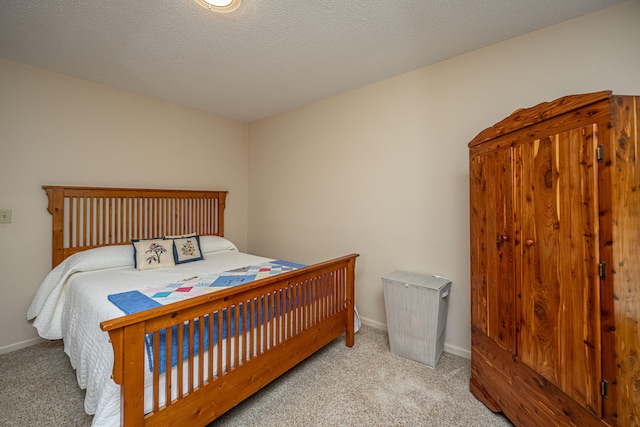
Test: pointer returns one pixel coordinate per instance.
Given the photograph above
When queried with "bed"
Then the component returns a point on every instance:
(184, 360)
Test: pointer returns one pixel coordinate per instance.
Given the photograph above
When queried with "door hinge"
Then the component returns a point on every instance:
(603, 270)
(600, 153)
(604, 388)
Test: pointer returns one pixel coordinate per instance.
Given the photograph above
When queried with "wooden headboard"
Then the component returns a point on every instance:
(89, 217)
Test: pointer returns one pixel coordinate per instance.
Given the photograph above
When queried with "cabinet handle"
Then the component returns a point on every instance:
(503, 238)
(529, 241)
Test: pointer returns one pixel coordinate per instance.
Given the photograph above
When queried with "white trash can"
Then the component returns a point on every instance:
(416, 307)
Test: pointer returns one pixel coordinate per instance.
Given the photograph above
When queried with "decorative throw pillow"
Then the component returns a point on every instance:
(153, 253)
(186, 249)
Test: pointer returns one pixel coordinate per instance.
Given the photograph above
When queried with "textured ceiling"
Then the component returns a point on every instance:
(267, 57)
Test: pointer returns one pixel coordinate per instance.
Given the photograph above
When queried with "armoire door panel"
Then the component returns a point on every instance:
(492, 287)
(625, 233)
(556, 215)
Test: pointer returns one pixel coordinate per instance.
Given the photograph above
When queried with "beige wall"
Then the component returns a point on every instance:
(383, 170)
(56, 129)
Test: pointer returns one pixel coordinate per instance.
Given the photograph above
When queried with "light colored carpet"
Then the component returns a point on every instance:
(38, 387)
(365, 385)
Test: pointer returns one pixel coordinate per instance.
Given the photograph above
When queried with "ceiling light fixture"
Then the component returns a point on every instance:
(220, 6)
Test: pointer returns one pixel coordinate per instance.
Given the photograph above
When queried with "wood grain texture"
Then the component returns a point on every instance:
(557, 211)
(89, 217)
(577, 333)
(280, 341)
(626, 253)
(525, 117)
(493, 285)
(526, 397)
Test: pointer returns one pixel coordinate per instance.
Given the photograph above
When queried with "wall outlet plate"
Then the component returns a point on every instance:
(5, 216)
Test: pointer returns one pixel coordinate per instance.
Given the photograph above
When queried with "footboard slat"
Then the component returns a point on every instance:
(169, 378)
(202, 321)
(190, 357)
(228, 347)
(180, 382)
(156, 374)
(236, 342)
(256, 332)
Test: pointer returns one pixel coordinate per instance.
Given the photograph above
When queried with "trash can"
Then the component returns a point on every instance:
(416, 307)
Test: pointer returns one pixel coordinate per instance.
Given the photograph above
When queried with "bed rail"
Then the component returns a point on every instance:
(264, 327)
(88, 217)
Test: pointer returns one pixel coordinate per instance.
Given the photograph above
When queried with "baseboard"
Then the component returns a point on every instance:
(373, 324)
(458, 351)
(22, 344)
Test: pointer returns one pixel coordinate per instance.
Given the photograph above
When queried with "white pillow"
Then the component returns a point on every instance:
(210, 244)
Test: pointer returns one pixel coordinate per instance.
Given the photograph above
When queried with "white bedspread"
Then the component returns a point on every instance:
(72, 301)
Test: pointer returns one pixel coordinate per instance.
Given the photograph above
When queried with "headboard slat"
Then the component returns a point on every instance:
(89, 217)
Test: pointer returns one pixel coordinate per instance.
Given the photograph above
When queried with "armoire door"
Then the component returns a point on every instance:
(493, 280)
(556, 218)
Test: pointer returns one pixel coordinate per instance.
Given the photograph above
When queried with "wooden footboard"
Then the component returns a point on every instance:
(256, 332)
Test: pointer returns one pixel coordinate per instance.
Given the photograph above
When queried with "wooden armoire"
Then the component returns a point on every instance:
(555, 263)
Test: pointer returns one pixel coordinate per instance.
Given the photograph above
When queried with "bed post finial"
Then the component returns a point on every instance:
(56, 203)
(222, 196)
(49, 191)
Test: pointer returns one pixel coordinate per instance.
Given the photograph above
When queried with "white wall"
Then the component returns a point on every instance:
(56, 129)
(383, 170)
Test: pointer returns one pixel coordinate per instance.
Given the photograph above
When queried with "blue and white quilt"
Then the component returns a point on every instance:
(135, 301)
(72, 301)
